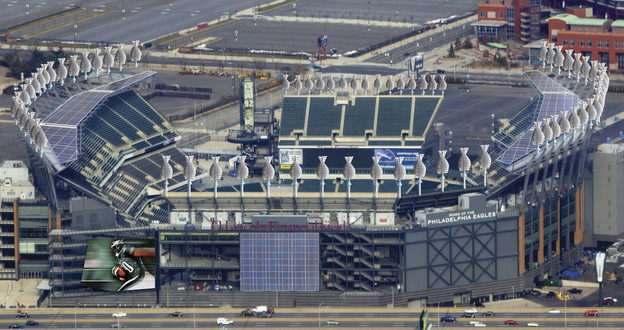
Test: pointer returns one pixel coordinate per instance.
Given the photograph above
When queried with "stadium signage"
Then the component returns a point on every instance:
(460, 216)
(276, 225)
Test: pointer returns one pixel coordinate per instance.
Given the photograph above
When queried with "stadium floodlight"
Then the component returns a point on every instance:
(412, 84)
(464, 163)
(400, 84)
(585, 68)
(31, 128)
(542, 53)
(564, 124)
(52, 73)
(575, 121)
(550, 55)
(74, 68)
(420, 170)
(399, 174)
(593, 72)
(268, 173)
(109, 60)
(242, 172)
(423, 83)
(537, 137)
(215, 173)
(355, 85)
(377, 83)
(443, 166)
(298, 83)
(46, 75)
(365, 85)
(568, 62)
(559, 58)
(189, 172)
(43, 81)
(600, 262)
(389, 85)
(433, 84)
(322, 172)
(331, 85)
(166, 172)
(554, 126)
(348, 172)
(85, 64)
(30, 123)
(343, 82)
(120, 56)
(599, 108)
(41, 140)
(576, 67)
(135, 53)
(376, 173)
(548, 133)
(16, 104)
(97, 61)
(295, 174)
(285, 84)
(591, 110)
(320, 84)
(443, 85)
(485, 161)
(23, 118)
(62, 70)
(309, 85)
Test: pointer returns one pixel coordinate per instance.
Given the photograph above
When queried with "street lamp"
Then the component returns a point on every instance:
(75, 317)
(194, 316)
(319, 318)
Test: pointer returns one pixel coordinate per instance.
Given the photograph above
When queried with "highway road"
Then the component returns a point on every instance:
(297, 319)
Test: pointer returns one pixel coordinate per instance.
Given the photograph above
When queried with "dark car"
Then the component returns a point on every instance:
(535, 293)
(32, 323)
(575, 291)
(406, 54)
(618, 281)
(15, 326)
(511, 322)
(488, 313)
(440, 71)
(479, 304)
(448, 319)
(176, 314)
(550, 294)
(22, 315)
(469, 315)
(265, 315)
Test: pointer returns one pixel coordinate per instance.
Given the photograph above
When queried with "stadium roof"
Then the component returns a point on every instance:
(553, 98)
(568, 18)
(375, 120)
(61, 126)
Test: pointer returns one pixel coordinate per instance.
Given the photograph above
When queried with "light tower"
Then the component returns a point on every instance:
(322, 172)
(189, 172)
(399, 174)
(376, 172)
(484, 162)
(166, 172)
(420, 170)
(135, 53)
(215, 173)
(268, 173)
(242, 173)
(295, 175)
(464, 163)
(443, 166)
(600, 261)
(348, 172)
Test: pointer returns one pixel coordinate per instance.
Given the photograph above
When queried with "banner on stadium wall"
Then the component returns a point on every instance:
(286, 157)
(387, 157)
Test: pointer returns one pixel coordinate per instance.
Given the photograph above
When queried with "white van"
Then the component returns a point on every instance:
(224, 321)
(260, 309)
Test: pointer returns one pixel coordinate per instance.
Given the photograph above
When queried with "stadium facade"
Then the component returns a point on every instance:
(355, 228)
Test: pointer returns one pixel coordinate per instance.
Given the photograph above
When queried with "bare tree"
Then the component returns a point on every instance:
(260, 64)
(221, 64)
(145, 59)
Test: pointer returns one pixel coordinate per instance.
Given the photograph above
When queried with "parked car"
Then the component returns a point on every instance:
(22, 315)
(448, 319)
(488, 313)
(32, 323)
(550, 294)
(609, 301)
(511, 322)
(176, 314)
(575, 291)
(592, 313)
(119, 314)
(332, 322)
(479, 304)
(554, 311)
(532, 325)
(535, 293)
(618, 281)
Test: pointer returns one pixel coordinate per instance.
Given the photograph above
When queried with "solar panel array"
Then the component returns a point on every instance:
(279, 261)
(555, 98)
(60, 126)
(63, 142)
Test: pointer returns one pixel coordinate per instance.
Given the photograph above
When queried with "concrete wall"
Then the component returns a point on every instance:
(609, 192)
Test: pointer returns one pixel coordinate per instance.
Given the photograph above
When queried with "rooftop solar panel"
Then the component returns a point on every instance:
(555, 98)
(63, 142)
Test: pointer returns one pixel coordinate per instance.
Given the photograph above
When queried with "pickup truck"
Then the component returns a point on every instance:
(257, 311)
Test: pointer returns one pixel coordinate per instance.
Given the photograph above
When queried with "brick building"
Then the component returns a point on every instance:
(519, 20)
(599, 38)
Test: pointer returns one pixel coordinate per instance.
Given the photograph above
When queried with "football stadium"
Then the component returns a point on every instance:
(360, 202)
